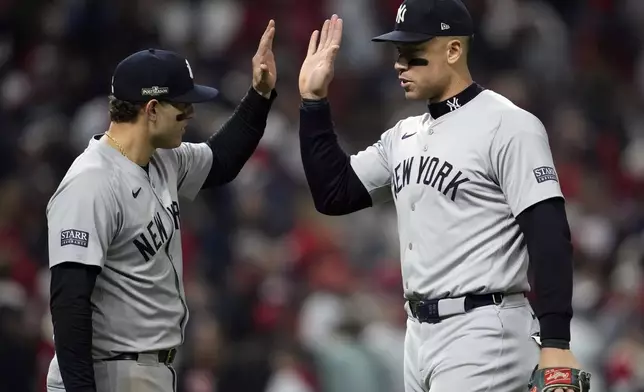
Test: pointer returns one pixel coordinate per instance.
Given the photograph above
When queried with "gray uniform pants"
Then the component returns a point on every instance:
(489, 349)
(144, 375)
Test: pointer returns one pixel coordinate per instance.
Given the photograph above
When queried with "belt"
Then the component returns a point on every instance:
(165, 357)
(432, 311)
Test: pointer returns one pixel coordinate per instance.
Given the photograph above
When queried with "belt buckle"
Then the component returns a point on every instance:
(497, 298)
(427, 312)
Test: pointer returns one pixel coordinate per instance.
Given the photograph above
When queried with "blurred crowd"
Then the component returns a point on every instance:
(283, 299)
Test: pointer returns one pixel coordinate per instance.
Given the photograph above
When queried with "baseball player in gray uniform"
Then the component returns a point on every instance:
(117, 297)
(477, 197)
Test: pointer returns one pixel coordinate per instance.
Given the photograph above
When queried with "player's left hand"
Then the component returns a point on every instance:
(264, 69)
(558, 358)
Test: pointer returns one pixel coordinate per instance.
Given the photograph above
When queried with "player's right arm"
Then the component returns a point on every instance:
(340, 184)
(82, 221)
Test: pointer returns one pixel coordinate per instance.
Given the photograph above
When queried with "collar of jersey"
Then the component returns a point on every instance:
(439, 109)
(124, 163)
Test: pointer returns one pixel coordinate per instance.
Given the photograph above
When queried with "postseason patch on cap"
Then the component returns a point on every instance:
(545, 173)
(154, 91)
(74, 237)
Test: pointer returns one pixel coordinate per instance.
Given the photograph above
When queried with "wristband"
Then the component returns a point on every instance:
(555, 343)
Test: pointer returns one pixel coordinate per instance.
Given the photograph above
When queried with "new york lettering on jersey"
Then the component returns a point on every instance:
(157, 230)
(434, 172)
(421, 156)
(151, 210)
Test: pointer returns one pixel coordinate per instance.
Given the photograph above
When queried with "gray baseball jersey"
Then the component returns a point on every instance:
(458, 182)
(109, 212)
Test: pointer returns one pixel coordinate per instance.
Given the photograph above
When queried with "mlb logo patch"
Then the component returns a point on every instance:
(74, 237)
(545, 173)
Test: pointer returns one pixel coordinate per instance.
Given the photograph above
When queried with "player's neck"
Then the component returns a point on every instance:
(438, 109)
(458, 84)
(131, 142)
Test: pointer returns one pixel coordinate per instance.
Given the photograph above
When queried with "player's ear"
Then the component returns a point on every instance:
(151, 109)
(454, 50)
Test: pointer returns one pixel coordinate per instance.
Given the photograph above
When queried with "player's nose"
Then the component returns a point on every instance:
(400, 66)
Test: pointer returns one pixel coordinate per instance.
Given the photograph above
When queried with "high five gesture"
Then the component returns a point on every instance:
(317, 69)
(264, 68)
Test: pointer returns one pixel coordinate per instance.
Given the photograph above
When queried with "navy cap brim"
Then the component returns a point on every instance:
(403, 37)
(198, 94)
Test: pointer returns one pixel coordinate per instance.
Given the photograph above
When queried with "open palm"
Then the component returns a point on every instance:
(264, 68)
(317, 69)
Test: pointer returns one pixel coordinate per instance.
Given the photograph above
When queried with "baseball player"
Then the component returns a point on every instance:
(117, 297)
(477, 196)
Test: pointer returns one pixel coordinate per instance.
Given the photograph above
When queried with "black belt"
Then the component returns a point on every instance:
(165, 356)
(426, 311)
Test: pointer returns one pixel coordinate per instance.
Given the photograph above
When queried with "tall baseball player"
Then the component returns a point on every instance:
(117, 297)
(477, 196)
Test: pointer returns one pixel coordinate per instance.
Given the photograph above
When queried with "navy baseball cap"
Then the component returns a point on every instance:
(158, 74)
(421, 20)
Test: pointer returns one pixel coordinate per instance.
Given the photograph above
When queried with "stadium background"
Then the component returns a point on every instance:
(282, 298)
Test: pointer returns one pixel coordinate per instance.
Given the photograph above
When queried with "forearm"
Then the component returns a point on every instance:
(334, 185)
(71, 289)
(238, 138)
(547, 234)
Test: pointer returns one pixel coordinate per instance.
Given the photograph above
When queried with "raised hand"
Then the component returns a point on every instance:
(317, 69)
(264, 69)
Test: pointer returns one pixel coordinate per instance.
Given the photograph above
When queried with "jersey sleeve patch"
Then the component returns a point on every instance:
(74, 237)
(545, 173)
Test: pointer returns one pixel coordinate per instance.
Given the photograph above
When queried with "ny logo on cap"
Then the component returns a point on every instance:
(400, 16)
